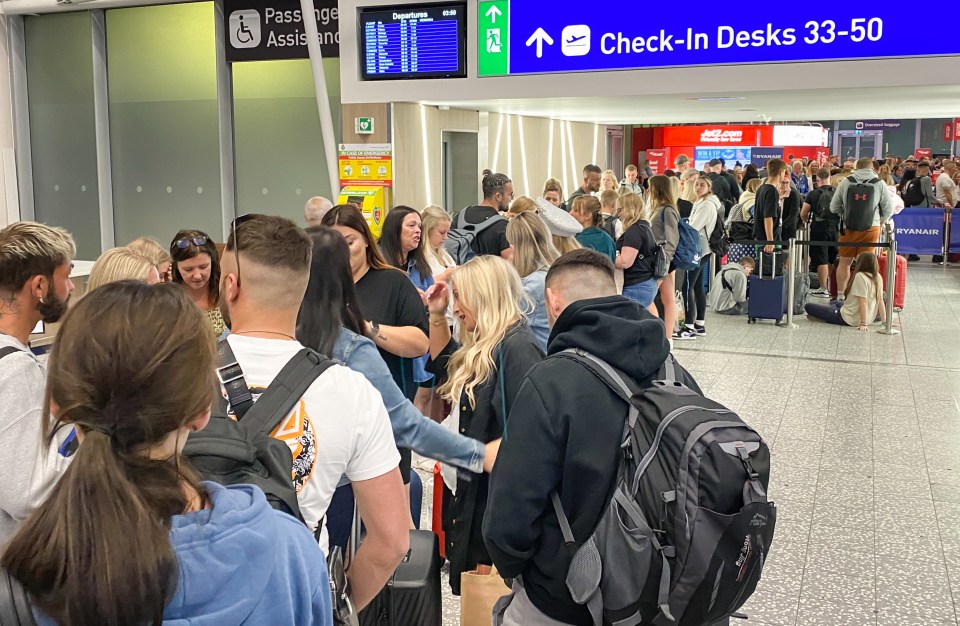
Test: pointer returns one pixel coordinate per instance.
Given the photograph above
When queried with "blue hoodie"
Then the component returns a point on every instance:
(242, 562)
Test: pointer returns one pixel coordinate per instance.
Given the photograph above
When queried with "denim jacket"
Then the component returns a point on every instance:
(534, 284)
(410, 428)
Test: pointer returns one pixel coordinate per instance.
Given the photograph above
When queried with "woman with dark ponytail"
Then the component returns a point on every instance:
(129, 535)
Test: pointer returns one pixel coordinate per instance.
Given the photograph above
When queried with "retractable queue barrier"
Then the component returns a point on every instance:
(793, 246)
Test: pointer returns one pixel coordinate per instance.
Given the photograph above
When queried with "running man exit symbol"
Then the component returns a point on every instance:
(245, 28)
(493, 41)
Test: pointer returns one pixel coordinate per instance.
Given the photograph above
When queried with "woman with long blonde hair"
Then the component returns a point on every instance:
(484, 374)
(688, 192)
(435, 224)
(636, 251)
(665, 221)
(863, 298)
(118, 264)
(152, 249)
(533, 253)
(521, 204)
(608, 180)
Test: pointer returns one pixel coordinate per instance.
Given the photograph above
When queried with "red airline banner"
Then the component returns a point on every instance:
(956, 128)
(948, 131)
(658, 161)
(718, 136)
(924, 153)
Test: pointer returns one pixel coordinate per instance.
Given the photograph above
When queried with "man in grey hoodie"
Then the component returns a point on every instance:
(35, 286)
(881, 210)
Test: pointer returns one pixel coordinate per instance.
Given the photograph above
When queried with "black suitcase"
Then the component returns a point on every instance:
(412, 596)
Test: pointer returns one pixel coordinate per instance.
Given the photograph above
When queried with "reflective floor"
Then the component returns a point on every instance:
(864, 432)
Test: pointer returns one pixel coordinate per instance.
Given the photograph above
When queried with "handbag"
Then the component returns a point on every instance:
(658, 265)
(344, 613)
(478, 593)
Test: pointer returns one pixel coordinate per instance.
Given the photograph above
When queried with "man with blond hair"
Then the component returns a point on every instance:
(35, 286)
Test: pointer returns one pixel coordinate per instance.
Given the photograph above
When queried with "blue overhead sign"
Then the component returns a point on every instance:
(562, 36)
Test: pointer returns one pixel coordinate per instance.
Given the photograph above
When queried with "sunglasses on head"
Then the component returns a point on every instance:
(236, 244)
(184, 242)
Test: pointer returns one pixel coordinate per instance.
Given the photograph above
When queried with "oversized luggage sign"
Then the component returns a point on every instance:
(521, 37)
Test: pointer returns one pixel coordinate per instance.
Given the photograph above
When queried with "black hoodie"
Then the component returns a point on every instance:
(565, 432)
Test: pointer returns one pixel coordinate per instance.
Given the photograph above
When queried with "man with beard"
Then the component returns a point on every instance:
(35, 285)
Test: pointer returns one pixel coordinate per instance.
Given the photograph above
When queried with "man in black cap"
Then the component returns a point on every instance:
(731, 180)
(721, 188)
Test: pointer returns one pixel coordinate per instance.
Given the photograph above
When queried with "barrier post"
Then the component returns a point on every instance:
(888, 328)
(947, 225)
(792, 260)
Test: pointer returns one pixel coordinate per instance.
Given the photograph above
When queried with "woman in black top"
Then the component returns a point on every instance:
(635, 252)
(396, 317)
(484, 374)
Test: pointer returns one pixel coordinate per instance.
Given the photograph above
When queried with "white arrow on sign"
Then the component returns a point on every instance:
(493, 12)
(539, 36)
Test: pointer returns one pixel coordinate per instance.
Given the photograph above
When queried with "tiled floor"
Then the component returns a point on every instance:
(864, 432)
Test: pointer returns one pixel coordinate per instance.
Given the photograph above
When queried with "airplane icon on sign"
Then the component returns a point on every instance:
(575, 40)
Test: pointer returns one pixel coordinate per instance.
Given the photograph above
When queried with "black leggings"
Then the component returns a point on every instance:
(695, 294)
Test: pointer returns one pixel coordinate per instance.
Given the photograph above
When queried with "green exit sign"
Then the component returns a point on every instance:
(364, 125)
(493, 38)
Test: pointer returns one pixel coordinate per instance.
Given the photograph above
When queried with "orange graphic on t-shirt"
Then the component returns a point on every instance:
(297, 431)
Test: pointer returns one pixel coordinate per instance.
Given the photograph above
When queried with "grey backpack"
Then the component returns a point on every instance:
(685, 536)
(462, 236)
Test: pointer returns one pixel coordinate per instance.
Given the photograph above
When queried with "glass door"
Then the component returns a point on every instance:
(857, 144)
(848, 147)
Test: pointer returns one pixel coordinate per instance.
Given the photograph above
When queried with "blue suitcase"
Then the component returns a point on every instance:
(767, 291)
(768, 299)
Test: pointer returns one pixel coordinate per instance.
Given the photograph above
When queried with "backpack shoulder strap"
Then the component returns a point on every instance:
(230, 375)
(616, 381)
(14, 603)
(726, 283)
(8, 350)
(286, 390)
(461, 219)
(485, 224)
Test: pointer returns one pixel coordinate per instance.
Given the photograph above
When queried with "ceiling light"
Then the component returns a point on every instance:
(717, 99)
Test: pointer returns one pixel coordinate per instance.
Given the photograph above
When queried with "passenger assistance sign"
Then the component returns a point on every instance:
(258, 30)
(536, 37)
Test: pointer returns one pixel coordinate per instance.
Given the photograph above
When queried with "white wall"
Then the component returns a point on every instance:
(9, 198)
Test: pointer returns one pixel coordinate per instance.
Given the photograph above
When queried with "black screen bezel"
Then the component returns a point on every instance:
(462, 41)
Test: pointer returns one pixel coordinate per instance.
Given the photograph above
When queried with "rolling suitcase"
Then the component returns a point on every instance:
(768, 293)
(412, 595)
(900, 285)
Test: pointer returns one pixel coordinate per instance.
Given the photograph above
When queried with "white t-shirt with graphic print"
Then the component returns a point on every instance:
(339, 428)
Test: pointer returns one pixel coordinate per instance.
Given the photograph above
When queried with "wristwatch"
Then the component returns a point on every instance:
(374, 329)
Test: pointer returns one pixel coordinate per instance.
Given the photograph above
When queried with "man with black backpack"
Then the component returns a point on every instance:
(823, 227)
(863, 204)
(566, 429)
(920, 191)
(482, 229)
(337, 428)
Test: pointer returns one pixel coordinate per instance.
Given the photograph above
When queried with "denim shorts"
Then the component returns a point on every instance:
(644, 292)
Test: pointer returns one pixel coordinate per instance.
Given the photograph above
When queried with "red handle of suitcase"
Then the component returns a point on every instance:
(438, 509)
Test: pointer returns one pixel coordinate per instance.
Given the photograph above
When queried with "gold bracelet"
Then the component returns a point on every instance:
(438, 321)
